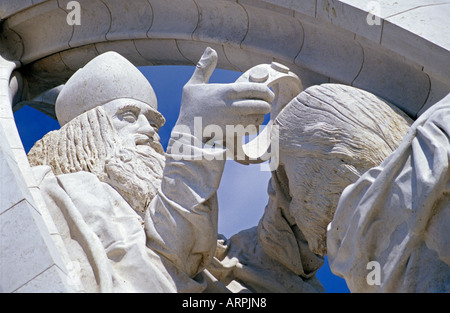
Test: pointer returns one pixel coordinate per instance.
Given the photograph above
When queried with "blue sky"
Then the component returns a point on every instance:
(243, 190)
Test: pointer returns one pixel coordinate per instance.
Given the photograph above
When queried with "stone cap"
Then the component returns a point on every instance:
(107, 77)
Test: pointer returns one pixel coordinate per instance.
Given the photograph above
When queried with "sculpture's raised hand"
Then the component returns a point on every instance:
(222, 104)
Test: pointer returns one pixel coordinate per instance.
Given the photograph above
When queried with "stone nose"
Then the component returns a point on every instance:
(144, 126)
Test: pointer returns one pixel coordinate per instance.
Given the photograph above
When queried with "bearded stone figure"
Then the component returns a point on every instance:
(329, 135)
(133, 218)
(358, 181)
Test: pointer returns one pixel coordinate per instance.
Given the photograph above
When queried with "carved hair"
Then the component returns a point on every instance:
(80, 145)
(332, 134)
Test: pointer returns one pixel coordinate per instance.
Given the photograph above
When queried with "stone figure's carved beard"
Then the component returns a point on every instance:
(136, 174)
(90, 143)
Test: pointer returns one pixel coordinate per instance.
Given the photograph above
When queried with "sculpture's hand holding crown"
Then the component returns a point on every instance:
(222, 104)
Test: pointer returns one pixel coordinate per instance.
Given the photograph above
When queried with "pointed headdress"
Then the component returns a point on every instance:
(107, 77)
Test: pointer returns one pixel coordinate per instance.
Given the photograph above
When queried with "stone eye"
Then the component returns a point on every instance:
(129, 117)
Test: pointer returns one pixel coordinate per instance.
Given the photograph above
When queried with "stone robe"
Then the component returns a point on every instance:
(112, 249)
(272, 257)
(398, 214)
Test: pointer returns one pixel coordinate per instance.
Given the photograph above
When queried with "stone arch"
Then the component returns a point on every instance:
(397, 58)
(321, 40)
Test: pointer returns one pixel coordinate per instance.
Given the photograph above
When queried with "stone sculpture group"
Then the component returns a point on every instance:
(356, 180)
(103, 208)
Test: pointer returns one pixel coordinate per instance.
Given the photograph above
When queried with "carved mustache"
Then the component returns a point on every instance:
(150, 141)
(141, 139)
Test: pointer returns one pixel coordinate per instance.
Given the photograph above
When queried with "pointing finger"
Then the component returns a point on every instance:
(205, 67)
(251, 107)
(251, 91)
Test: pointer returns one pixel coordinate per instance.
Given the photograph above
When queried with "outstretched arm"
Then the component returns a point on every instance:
(181, 223)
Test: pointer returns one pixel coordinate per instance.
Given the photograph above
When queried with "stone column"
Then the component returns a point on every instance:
(29, 258)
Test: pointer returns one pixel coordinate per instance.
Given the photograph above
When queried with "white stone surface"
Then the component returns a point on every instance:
(190, 50)
(78, 57)
(25, 255)
(410, 43)
(327, 140)
(5, 111)
(438, 91)
(114, 219)
(9, 8)
(11, 134)
(164, 26)
(127, 48)
(396, 216)
(132, 18)
(304, 7)
(429, 22)
(281, 43)
(390, 8)
(47, 282)
(220, 21)
(17, 190)
(27, 248)
(402, 60)
(331, 53)
(373, 79)
(348, 17)
(161, 51)
(95, 25)
(242, 60)
(71, 102)
(41, 39)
